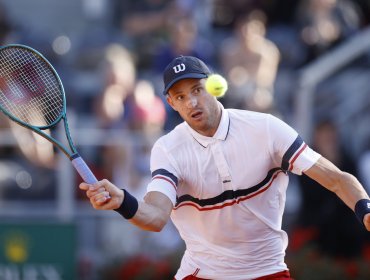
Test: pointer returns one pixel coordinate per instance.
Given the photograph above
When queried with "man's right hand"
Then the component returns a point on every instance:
(103, 195)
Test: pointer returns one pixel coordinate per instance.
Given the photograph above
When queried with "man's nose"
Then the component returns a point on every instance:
(192, 101)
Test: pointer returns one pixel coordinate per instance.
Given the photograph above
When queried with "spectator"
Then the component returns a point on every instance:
(144, 22)
(5, 26)
(250, 62)
(119, 73)
(325, 23)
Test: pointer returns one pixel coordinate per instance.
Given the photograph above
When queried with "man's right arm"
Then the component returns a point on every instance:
(152, 214)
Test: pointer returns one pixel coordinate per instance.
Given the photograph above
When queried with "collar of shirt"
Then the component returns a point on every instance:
(221, 133)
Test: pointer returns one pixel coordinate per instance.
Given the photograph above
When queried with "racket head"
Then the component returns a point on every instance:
(31, 92)
(32, 95)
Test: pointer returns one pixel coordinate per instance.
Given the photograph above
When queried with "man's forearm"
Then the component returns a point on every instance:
(350, 190)
(149, 217)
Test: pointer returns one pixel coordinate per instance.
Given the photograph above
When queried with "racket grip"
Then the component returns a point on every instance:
(83, 169)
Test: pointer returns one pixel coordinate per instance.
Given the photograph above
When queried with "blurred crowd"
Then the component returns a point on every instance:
(112, 73)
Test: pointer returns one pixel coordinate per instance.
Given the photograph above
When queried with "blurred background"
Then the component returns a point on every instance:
(305, 61)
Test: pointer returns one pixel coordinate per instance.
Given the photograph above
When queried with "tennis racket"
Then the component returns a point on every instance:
(32, 95)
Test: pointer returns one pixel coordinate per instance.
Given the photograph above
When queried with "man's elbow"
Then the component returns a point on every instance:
(158, 228)
(155, 227)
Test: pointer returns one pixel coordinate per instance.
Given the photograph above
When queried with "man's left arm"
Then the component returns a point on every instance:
(344, 185)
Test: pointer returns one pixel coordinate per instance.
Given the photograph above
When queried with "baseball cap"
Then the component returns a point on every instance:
(184, 67)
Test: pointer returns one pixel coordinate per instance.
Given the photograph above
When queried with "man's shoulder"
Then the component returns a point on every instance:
(174, 138)
(247, 116)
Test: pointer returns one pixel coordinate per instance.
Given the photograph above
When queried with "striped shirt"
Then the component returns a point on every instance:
(229, 192)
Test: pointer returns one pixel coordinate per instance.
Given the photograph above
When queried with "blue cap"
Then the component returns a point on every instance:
(184, 67)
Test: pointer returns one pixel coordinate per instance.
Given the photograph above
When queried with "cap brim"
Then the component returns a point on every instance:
(185, 76)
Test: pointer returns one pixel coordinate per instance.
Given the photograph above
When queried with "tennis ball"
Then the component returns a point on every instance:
(216, 85)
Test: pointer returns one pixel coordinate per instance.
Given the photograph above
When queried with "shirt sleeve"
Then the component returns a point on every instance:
(164, 175)
(289, 148)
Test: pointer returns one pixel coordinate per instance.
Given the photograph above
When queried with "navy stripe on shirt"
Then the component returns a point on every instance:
(229, 194)
(290, 152)
(165, 173)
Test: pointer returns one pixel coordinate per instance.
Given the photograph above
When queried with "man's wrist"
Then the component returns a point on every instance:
(362, 208)
(129, 206)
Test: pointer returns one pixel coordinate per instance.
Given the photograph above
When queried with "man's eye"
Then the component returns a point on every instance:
(197, 90)
(180, 97)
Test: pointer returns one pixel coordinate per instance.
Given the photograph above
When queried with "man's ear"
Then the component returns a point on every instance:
(170, 101)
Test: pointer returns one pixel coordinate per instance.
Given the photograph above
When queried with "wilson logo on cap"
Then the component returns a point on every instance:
(179, 68)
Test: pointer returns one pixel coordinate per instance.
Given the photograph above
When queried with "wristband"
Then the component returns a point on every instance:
(362, 208)
(128, 207)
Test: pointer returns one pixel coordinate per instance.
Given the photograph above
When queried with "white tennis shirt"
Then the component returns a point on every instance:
(229, 192)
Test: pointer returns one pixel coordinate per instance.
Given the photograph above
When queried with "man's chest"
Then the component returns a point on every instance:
(222, 166)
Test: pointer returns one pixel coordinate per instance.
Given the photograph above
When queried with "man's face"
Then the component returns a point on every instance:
(198, 108)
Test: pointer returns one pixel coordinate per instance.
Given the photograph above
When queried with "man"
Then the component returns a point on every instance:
(222, 176)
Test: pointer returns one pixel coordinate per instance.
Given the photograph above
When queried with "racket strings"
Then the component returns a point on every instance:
(33, 107)
(29, 88)
(27, 109)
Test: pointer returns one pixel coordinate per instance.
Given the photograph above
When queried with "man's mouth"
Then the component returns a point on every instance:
(196, 115)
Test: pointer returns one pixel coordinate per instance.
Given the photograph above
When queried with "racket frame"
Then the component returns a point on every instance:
(39, 129)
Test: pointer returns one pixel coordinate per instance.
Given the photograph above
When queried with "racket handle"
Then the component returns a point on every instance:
(83, 169)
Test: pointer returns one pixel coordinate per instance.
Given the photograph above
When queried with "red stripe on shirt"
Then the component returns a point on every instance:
(166, 179)
(228, 203)
(296, 156)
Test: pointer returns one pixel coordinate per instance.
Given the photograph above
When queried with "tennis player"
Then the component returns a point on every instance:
(222, 176)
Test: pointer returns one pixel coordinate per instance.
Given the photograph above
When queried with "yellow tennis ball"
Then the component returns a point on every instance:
(216, 85)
